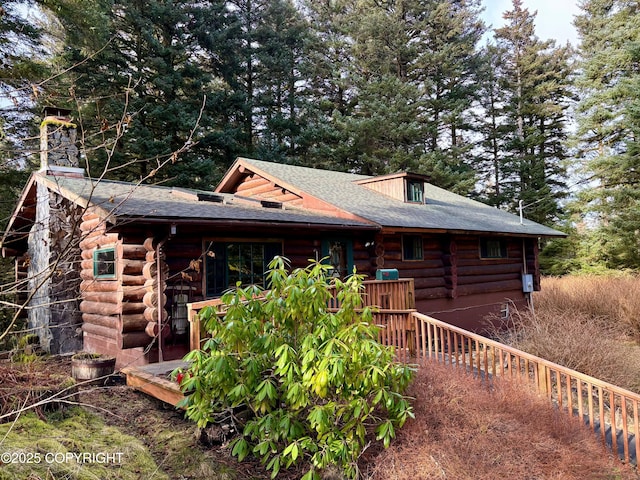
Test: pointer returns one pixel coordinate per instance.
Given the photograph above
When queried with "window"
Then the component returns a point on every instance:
(412, 247)
(493, 248)
(415, 191)
(230, 262)
(339, 254)
(338, 259)
(104, 263)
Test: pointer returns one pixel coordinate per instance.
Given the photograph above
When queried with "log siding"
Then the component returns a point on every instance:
(113, 309)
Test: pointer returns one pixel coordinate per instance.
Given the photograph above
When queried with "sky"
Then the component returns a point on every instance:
(554, 19)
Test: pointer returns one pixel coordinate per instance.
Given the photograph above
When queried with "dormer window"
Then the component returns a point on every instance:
(415, 191)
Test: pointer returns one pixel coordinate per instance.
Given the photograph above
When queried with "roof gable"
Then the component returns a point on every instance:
(246, 178)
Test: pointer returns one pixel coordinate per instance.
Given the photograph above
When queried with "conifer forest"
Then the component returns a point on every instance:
(172, 91)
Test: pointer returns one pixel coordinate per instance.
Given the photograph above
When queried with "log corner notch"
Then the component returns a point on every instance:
(113, 308)
(154, 300)
(450, 262)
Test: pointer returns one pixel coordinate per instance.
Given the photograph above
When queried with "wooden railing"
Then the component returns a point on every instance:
(609, 410)
(390, 296)
(196, 332)
(385, 294)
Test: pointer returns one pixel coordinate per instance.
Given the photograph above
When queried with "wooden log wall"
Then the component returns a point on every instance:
(256, 186)
(299, 250)
(428, 273)
(452, 267)
(113, 309)
(477, 275)
(186, 262)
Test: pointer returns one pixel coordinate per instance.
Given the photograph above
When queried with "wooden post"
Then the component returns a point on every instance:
(542, 378)
(194, 328)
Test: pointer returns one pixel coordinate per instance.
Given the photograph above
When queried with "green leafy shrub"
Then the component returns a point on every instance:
(303, 384)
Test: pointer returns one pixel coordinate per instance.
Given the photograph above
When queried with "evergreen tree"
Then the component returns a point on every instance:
(137, 81)
(220, 34)
(609, 125)
(448, 71)
(493, 101)
(22, 68)
(385, 127)
(536, 75)
(401, 95)
(281, 66)
(327, 141)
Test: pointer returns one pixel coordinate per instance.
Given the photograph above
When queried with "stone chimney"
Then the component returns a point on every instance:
(58, 150)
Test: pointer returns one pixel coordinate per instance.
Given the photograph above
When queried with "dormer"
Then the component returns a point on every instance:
(406, 187)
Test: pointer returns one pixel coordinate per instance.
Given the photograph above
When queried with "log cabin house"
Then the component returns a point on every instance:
(111, 266)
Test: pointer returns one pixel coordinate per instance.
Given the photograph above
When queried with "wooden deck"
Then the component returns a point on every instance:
(610, 411)
(154, 380)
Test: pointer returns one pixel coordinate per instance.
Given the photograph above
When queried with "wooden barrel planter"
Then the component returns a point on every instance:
(91, 366)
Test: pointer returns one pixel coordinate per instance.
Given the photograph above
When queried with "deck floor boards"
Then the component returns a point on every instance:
(153, 379)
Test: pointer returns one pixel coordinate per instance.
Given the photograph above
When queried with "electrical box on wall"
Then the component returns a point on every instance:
(387, 274)
(527, 283)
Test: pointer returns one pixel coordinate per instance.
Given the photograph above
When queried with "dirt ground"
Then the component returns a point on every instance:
(173, 441)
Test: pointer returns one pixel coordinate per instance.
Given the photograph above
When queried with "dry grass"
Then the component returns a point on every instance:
(609, 301)
(464, 431)
(588, 324)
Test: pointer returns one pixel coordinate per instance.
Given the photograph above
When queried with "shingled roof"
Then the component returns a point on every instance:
(442, 211)
(124, 201)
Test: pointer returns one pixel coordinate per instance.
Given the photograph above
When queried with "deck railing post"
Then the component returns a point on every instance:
(194, 327)
(542, 378)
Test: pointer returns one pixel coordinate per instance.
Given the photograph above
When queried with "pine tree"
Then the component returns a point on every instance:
(281, 66)
(385, 128)
(536, 75)
(327, 141)
(493, 101)
(448, 69)
(137, 81)
(609, 125)
(23, 66)
(400, 96)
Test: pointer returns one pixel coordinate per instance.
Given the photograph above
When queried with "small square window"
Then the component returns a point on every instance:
(493, 248)
(104, 263)
(415, 191)
(412, 247)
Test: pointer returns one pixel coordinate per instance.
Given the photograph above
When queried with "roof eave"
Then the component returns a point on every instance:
(249, 223)
(450, 231)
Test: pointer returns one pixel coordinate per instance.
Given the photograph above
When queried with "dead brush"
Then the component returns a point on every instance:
(614, 301)
(587, 344)
(465, 430)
